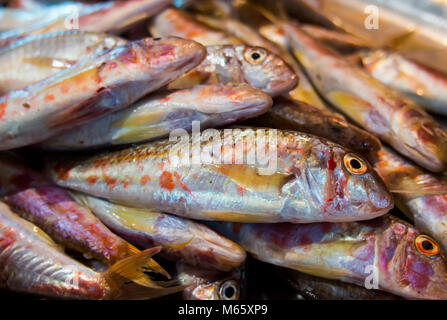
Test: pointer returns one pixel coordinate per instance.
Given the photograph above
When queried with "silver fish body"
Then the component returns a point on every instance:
(295, 177)
(106, 82)
(159, 114)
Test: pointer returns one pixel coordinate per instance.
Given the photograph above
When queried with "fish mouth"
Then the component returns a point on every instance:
(279, 87)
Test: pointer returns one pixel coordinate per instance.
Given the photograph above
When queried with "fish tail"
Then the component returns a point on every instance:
(134, 269)
(151, 264)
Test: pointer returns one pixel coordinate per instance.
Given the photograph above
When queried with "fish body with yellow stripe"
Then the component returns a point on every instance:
(180, 239)
(259, 176)
(33, 263)
(93, 87)
(384, 253)
(157, 115)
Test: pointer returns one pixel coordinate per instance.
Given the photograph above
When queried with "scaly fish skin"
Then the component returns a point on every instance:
(93, 87)
(33, 263)
(299, 116)
(206, 284)
(306, 179)
(378, 108)
(53, 209)
(428, 207)
(352, 252)
(256, 66)
(173, 22)
(426, 87)
(181, 239)
(159, 114)
(37, 57)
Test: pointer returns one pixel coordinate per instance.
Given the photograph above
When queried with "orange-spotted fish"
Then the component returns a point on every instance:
(180, 239)
(425, 86)
(419, 194)
(37, 57)
(103, 83)
(33, 263)
(381, 110)
(384, 253)
(255, 66)
(244, 175)
(157, 115)
(53, 209)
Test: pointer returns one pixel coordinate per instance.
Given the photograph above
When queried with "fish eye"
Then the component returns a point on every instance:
(354, 164)
(156, 39)
(229, 290)
(254, 56)
(426, 245)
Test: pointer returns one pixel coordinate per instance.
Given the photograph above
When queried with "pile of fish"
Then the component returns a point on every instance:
(318, 153)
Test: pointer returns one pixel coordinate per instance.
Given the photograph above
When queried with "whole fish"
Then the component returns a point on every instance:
(256, 66)
(316, 288)
(173, 22)
(180, 239)
(206, 284)
(425, 86)
(239, 175)
(93, 87)
(420, 195)
(38, 57)
(33, 263)
(384, 253)
(157, 115)
(379, 109)
(53, 210)
(299, 116)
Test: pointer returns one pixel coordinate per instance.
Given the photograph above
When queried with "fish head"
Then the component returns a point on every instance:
(423, 139)
(342, 186)
(410, 263)
(265, 70)
(205, 284)
(171, 54)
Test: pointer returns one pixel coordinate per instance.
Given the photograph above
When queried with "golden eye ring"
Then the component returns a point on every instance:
(426, 245)
(254, 55)
(354, 164)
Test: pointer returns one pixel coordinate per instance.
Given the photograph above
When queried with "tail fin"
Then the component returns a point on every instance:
(133, 269)
(152, 265)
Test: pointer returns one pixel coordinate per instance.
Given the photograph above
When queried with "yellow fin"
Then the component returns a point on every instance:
(49, 62)
(237, 216)
(178, 246)
(133, 268)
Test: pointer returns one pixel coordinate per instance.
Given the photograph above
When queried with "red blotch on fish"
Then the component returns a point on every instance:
(65, 89)
(49, 97)
(111, 183)
(331, 164)
(3, 108)
(92, 179)
(166, 181)
(240, 190)
(145, 179)
(62, 170)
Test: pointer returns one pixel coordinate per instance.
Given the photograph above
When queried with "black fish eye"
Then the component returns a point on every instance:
(427, 245)
(355, 164)
(255, 55)
(229, 290)
(157, 39)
